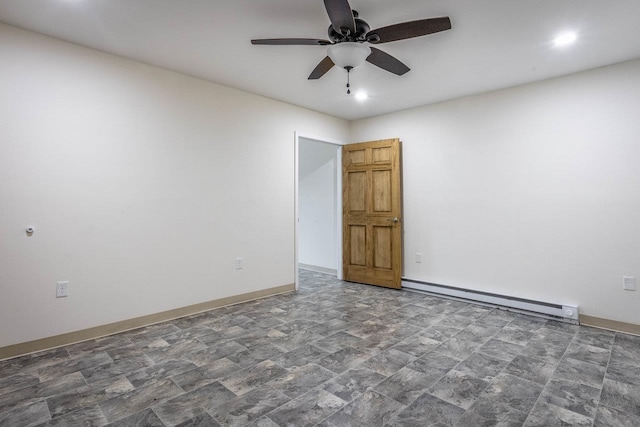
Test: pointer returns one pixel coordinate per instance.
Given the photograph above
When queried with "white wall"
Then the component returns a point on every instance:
(317, 169)
(143, 186)
(532, 191)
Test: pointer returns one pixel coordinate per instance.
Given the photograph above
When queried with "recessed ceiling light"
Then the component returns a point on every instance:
(565, 39)
(361, 96)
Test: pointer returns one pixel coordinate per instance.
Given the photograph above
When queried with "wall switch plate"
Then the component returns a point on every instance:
(418, 257)
(570, 312)
(239, 263)
(62, 289)
(628, 283)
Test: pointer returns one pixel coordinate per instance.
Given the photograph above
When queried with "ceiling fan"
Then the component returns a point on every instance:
(348, 35)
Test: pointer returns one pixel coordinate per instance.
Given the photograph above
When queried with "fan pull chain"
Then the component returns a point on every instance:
(348, 82)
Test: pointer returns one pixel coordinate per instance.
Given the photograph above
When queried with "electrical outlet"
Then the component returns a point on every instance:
(628, 283)
(239, 263)
(62, 289)
(418, 257)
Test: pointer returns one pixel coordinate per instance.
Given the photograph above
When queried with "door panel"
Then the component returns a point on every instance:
(372, 231)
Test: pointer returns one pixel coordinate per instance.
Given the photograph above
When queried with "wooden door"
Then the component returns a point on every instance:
(371, 213)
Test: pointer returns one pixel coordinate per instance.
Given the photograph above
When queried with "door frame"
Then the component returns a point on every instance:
(338, 145)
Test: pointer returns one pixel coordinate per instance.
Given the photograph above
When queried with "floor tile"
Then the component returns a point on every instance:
(250, 378)
(26, 416)
(547, 415)
(370, 409)
(427, 407)
(146, 418)
(515, 392)
(621, 396)
(532, 369)
(352, 383)
(487, 412)
(573, 396)
(459, 388)
(300, 380)
(242, 410)
(308, 409)
(582, 372)
(482, 366)
(609, 417)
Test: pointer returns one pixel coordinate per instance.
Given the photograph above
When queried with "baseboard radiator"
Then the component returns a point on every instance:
(564, 313)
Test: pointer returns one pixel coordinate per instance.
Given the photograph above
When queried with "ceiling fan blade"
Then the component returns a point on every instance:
(289, 42)
(387, 62)
(341, 15)
(407, 30)
(321, 69)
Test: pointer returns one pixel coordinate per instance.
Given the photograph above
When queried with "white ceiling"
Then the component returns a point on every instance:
(493, 43)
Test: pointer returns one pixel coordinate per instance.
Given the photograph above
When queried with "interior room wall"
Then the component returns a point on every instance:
(143, 186)
(317, 169)
(531, 192)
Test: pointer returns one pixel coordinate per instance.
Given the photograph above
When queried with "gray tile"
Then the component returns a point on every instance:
(308, 409)
(76, 364)
(486, 412)
(206, 374)
(18, 381)
(514, 335)
(202, 420)
(136, 400)
(257, 354)
(459, 388)
(300, 380)
(90, 416)
(176, 350)
(343, 360)
(115, 369)
(146, 418)
(588, 353)
(370, 409)
(547, 415)
(300, 356)
(427, 407)
(417, 345)
(532, 369)
(595, 337)
(81, 397)
(573, 396)
(582, 372)
(544, 351)
(621, 396)
(188, 405)
(249, 407)
(482, 366)
(515, 392)
(406, 385)
(388, 361)
(624, 372)
(160, 371)
(609, 417)
(337, 342)
(34, 393)
(250, 378)
(457, 347)
(352, 383)
(213, 353)
(501, 349)
(26, 416)
(440, 333)
(31, 363)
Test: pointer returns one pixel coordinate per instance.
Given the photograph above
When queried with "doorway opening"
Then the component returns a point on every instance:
(318, 205)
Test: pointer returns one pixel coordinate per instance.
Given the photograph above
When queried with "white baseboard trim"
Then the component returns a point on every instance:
(318, 269)
(539, 308)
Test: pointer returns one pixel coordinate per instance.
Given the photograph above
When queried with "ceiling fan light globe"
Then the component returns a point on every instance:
(348, 54)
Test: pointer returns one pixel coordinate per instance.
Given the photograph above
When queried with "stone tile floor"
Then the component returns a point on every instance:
(334, 354)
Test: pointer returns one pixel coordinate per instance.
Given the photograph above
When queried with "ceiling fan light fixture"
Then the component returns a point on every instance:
(348, 54)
